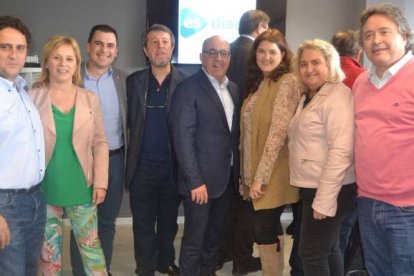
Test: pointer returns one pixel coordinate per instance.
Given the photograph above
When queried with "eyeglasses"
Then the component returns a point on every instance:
(213, 53)
(153, 100)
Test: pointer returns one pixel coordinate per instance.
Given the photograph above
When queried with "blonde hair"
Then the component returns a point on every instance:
(52, 44)
(330, 54)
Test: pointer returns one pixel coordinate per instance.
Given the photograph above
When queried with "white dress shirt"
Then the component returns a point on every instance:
(22, 147)
(224, 96)
(380, 82)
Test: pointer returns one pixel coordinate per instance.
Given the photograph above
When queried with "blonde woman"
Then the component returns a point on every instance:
(321, 145)
(76, 156)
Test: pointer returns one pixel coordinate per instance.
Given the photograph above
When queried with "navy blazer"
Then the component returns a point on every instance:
(203, 142)
(137, 84)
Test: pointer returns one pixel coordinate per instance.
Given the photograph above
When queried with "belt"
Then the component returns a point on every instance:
(116, 151)
(19, 191)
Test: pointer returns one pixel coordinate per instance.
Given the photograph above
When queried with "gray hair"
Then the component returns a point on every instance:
(394, 14)
(157, 27)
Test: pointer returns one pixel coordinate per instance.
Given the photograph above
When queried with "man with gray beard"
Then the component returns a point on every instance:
(150, 157)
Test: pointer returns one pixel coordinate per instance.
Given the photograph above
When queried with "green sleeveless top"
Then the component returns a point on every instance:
(64, 183)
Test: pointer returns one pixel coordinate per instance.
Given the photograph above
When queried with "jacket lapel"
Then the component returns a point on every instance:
(174, 81)
(45, 109)
(83, 112)
(235, 96)
(210, 91)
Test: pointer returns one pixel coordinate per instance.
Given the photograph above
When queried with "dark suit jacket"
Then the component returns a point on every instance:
(203, 141)
(137, 84)
(240, 54)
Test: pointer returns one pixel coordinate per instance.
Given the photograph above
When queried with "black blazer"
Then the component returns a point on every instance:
(136, 85)
(203, 142)
(240, 54)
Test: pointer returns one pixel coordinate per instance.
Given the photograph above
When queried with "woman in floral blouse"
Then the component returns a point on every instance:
(272, 97)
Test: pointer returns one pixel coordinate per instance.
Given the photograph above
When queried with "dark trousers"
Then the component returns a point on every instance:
(203, 227)
(267, 225)
(319, 239)
(238, 235)
(295, 263)
(107, 214)
(154, 206)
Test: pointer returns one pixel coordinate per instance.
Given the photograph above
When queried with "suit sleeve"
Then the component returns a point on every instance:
(184, 127)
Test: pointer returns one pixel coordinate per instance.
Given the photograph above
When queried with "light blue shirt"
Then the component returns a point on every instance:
(22, 146)
(105, 88)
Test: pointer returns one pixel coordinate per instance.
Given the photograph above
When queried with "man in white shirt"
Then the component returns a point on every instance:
(22, 160)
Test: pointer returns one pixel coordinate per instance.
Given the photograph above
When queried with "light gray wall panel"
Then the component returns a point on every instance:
(75, 18)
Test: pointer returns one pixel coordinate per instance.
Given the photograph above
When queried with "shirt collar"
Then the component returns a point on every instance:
(393, 69)
(19, 83)
(248, 36)
(109, 73)
(214, 81)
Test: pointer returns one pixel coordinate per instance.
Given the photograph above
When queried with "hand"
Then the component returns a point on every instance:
(98, 196)
(256, 190)
(4, 233)
(200, 195)
(318, 216)
(39, 84)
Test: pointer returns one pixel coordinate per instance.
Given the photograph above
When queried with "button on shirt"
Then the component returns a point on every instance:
(105, 88)
(22, 147)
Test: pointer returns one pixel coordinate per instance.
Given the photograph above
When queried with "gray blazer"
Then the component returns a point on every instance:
(120, 81)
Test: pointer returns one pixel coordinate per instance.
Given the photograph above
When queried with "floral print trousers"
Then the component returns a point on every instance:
(83, 219)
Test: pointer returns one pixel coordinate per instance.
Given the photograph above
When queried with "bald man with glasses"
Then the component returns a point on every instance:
(204, 122)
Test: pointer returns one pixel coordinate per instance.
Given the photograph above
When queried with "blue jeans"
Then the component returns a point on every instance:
(25, 213)
(387, 234)
(107, 214)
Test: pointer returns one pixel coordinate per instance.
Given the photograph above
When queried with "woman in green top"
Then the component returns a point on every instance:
(76, 155)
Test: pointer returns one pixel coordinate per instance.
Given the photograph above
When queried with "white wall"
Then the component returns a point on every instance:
(308, 19)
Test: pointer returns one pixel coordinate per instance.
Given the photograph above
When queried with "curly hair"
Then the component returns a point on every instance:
(254, 74)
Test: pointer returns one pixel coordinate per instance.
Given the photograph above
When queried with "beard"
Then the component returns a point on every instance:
(160, 62)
